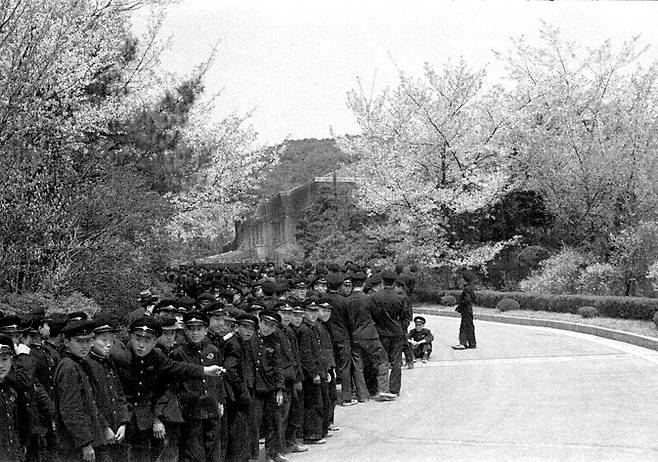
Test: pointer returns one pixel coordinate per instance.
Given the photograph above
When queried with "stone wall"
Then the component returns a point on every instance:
(273, 223)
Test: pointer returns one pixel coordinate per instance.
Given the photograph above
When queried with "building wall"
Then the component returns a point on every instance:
(273, 222)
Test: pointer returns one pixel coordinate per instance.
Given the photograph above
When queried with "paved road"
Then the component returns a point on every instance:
(527, 393)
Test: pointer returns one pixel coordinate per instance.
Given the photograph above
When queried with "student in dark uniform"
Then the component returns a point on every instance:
(327, 358)
(421, 339)
(168, 406)
(294, 434)
(389, 313)
(366, 346)
(144, 372)
(465, 308)
(288, 363)
(294, 378)
(313, 369)
(48, 353)
(13, 437)
(81, 427)
(201, 399)
(269, 385)
(238, 396)
(108, 392)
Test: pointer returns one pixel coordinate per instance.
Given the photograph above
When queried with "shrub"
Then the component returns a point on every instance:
(601, 279)
(588, 311)
(558, 274)
(613, 307)
(427, 295)
(448, 300)
(28, 302)
(78, 302)
(655, 319)
(508, 304)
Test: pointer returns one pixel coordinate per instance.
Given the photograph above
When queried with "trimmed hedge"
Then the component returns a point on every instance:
(612, 307)
(588, 312)
(508, 304)
(448, 300)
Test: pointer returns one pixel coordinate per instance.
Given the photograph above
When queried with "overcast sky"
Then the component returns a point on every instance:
(292, 62)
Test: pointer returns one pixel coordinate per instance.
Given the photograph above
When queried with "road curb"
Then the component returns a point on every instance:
(634, 339)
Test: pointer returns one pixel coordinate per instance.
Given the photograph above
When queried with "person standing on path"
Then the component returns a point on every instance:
(465, 309)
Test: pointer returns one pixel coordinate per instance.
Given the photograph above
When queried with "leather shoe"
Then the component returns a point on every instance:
(298, 448)
(382, 396)
(458, 347)
(320, 441)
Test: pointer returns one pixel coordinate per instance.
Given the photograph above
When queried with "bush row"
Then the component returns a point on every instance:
(613, 307)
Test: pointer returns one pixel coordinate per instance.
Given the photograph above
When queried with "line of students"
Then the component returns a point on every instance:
(206, 382)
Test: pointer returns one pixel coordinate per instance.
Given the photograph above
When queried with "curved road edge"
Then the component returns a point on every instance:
(627, 337)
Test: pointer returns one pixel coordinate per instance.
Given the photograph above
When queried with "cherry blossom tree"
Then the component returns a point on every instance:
(430, 149)
(584, 133)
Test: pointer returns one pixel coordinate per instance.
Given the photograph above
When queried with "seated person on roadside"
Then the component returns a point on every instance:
(421, 339)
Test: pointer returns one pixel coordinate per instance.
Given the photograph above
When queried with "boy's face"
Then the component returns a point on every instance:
(266, 327)
(103, 343)
(296, 319)
(196, 333)
(142, 343)
(311, 316)
(420, 325)
(79, 346)
(246, 331)
(324, 314)
(168, 338)
(218, 324)
(286, 317)
(5, 364)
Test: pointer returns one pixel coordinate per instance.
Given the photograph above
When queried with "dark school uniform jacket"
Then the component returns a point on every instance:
(339, 323)
(199, 397)
(144, 381)
(108, 391)
(167, 407)
(13, 436)
(287, 360)
(79, 422)
(327, 358)
(38, 406)
(46, 358)
(235, 363)
(268, 373)
(423, 334)
(389, 313)
(292, 338)
(309, 351)
(466, 300)
(363, 327)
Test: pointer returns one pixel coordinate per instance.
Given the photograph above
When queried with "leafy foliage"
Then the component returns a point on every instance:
(334, 228)
(299, 161)
(430, 149)
(584, 134)
(99, 155)
(559, 274)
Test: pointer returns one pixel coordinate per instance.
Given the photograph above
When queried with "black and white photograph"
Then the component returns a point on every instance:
(319, 231)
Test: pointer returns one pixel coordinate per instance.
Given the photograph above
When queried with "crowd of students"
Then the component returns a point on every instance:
(238, 354)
